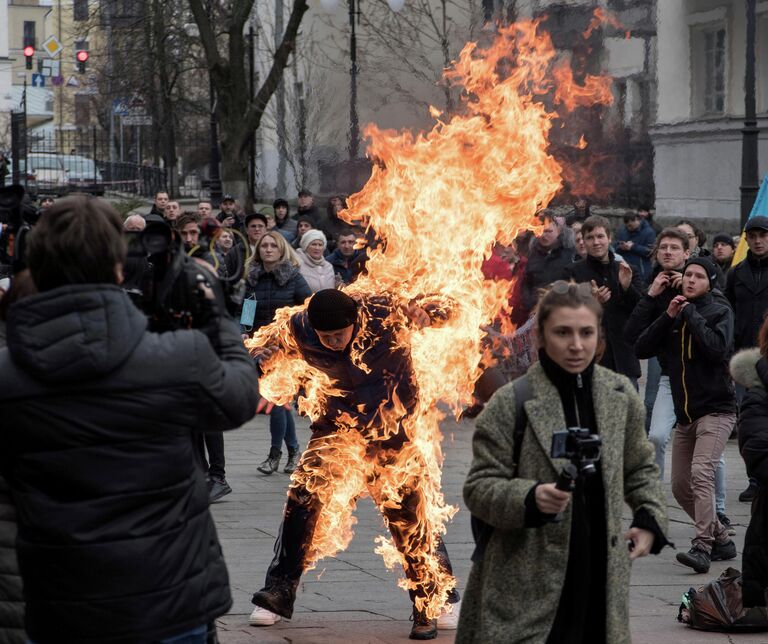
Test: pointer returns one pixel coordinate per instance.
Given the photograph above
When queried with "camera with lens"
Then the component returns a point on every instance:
(579, 446)
(166, 284)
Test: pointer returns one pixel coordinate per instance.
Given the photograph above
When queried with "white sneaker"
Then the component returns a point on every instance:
(263, 617)
(449, 621)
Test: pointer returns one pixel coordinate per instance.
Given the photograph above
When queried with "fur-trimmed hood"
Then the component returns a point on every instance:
(744, 368)
(282, 273)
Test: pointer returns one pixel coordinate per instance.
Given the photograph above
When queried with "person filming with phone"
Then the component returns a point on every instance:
(550, 482)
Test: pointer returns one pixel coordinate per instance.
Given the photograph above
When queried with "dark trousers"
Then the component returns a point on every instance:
(213, 466)
(338, 468)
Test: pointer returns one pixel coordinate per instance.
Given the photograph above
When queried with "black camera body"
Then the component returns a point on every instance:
(165, 283)
(579, 446)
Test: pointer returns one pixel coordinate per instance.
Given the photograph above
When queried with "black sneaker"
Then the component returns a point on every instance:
(217, 489)
(723, 551)
(423, 628)
(696, 559)
(278, 599)
(749, 494)
(726, 523)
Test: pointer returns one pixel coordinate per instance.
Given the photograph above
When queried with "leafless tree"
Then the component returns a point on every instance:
(221, 25)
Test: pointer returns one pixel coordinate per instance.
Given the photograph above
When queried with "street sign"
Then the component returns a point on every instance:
(52, 46)
(57, 80)
(73, 82)
(120, 107)
(137, 120)
(38, 80)
(51, 68)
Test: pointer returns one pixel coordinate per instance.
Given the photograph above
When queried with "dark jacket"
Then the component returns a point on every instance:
(348, 268)
(639, 256)
(543, 268)
(11, 591)
(619, 354)
(365, 392)
(272, 290)
(696, 346)
(750, 370)
(747, 290)
(116, 543)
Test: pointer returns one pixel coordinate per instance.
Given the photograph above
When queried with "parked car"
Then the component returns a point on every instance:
(49, 171)
(84, 176)
(28, 179)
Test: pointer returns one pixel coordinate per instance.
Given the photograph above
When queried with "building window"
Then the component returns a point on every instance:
(709, 56)
(29, 34)
(80, 10)
(82, 110)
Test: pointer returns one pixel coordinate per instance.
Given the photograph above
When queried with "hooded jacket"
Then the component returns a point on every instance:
(318, 274)
(695, 347)
(750, 370)
(272, 290)
(115, 540)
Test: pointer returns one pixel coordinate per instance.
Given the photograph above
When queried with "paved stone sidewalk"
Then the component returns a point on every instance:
(354, 598)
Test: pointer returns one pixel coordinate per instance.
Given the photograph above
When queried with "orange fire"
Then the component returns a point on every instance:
(438, 200)
(602, 17)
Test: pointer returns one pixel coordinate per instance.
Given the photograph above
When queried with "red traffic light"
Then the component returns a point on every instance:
(82, 56)
(29, 51)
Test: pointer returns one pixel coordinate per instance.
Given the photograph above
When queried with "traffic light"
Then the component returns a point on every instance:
(82, 60)
(29, 54)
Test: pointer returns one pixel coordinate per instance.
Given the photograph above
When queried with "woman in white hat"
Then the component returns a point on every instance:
(314, 267)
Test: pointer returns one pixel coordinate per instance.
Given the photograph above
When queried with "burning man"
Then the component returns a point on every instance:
(362, 442)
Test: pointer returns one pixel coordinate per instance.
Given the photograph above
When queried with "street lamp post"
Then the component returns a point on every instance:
(750, 132)
(354, 13)
(214, 175)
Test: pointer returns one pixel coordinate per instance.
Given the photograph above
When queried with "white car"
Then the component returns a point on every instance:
(50, 173)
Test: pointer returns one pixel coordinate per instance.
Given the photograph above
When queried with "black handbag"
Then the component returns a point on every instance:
(482, 531)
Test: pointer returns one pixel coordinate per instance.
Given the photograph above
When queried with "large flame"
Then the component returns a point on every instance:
(438, 201)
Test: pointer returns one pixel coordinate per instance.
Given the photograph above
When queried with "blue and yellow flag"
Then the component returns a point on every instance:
(760, 208)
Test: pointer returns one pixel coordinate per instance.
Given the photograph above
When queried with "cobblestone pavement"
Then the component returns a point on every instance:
(354, 598)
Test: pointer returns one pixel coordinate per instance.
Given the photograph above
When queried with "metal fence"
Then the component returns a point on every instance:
(84, 160)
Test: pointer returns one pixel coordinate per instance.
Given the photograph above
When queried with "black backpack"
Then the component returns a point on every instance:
(482, 531)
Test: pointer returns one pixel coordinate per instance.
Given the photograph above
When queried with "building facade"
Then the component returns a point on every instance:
(697, 134)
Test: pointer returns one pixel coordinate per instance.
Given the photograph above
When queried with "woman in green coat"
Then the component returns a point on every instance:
(561, 582)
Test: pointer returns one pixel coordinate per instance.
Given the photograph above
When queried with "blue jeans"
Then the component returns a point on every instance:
(652, 375)
(282, 428)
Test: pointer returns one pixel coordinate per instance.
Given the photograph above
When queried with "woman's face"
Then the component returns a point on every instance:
(302, 228)
(269, 252)
(570, 337)
(225, 240)
(336, 203)
(315, 249)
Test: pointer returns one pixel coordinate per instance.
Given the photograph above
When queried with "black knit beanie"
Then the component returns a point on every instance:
(725, 238)
(331, 310)
(708, 267)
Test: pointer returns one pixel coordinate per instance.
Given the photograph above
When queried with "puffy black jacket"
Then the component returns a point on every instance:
(11, 592)
(389, 370)
(619, 354)
(116, 543)
(747, 290)
(751, 371)
(696, 346)
(272, 290)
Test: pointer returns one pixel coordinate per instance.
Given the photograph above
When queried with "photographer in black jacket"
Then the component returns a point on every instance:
(116, 544)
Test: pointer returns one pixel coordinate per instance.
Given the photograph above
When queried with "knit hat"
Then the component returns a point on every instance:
(708, 267)
(312, 235)
(331, 310)
(725, 238)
